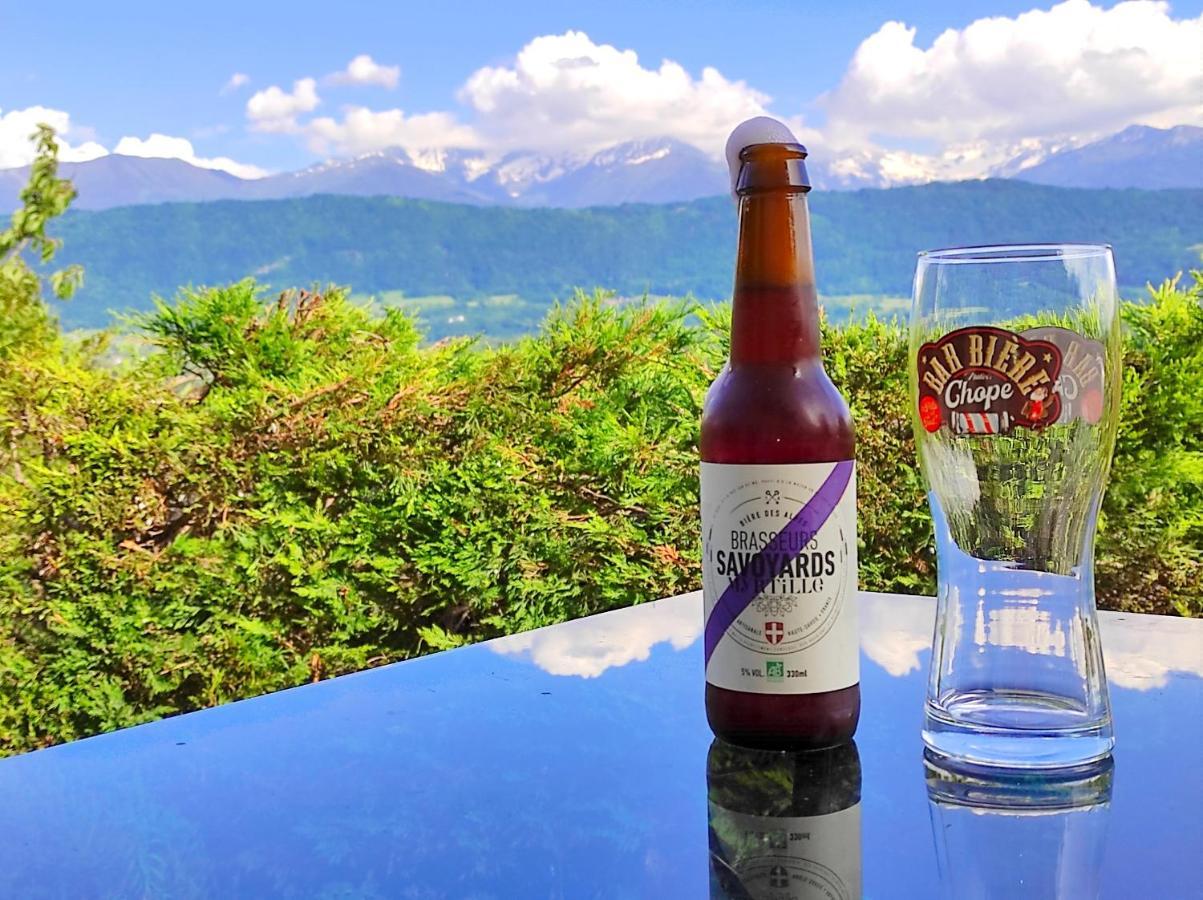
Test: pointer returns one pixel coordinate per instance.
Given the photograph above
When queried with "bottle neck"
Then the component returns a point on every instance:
(775, 309)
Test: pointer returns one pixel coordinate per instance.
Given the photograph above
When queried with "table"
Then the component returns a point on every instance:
(572, 762)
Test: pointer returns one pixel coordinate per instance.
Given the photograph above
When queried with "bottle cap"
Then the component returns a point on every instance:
(757, 130)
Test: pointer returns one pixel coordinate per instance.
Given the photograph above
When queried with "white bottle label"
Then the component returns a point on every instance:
(779, 577)
(794, 858)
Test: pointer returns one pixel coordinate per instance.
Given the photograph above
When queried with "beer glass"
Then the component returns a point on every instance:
(1015, 375)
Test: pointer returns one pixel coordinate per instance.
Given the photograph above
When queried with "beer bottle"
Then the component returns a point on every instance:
(778, 489)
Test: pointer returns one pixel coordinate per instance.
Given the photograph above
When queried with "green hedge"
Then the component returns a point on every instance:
(274, 494)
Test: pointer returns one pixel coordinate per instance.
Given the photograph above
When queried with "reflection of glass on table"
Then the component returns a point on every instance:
(1019, 834)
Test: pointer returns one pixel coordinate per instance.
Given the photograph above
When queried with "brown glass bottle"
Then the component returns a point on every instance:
(773, 404)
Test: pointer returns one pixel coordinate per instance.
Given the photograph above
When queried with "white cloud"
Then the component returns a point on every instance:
(237, 80)
(359, 130)
(275, 110)
(966, 106)
(1074, 69)
(363, 130)
(16, 149)
(163, 146)
(961, 107)
(364, 70)
(565, 92)
(16, 126)
(562, 93)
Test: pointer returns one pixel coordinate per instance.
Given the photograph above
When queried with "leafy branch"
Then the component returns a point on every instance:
(44, 198)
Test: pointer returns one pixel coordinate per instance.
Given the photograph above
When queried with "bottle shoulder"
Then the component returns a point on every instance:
(775, 413)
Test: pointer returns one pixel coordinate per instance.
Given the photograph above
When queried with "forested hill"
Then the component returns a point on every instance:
(865, 242)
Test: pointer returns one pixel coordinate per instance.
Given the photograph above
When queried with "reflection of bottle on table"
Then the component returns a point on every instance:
(1002, 834)
(784, 826)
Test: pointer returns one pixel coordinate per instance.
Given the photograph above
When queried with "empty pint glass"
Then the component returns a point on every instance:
(1015, 375)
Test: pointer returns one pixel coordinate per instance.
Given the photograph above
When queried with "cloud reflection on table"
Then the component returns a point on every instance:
(896, 634)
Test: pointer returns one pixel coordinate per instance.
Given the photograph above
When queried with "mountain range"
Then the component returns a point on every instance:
(1138, 156)
(649, 171)
(637, 171)
(495, 269)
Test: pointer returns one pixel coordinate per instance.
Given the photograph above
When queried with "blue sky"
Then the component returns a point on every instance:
(131, 70)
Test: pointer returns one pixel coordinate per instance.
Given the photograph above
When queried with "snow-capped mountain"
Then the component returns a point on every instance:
(657, 170)
(649, 171)
(519, 174)
(1137, 157)
(1030, 153)
(394, 172)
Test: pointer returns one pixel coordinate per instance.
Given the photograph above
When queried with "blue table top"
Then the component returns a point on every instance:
(572, 762)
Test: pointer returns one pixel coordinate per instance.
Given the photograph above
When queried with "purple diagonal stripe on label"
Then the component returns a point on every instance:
(771, 561)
